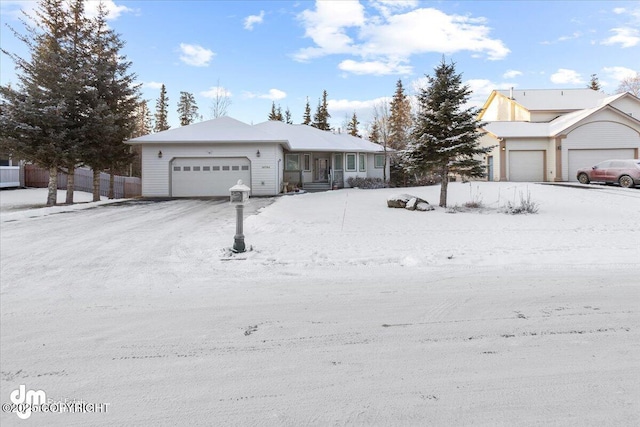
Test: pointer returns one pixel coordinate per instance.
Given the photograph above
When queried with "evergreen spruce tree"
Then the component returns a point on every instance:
(400, 120)
(187, 109)
(83, 118)
(273, 114)
(116, 98)
(143, 123)
(287, 117)
(352, 126)
(276, 113)
(162, 104)
(374, 132)
(306, 118)
(322, 116)
(43, 117)
(594, 83)
(446, 136)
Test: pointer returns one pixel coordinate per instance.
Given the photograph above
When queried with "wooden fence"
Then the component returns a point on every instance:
(124, 187)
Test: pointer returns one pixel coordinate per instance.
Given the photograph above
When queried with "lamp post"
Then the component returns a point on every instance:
(239, 196)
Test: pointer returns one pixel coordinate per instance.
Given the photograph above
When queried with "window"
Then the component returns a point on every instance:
(206, 168)
(245, 168)
(225, 168)
(292, 162)
(307, 162)
(235, 168)
(196, 168)
(363, 162)
(215, 168)
(187, 168)
(351, 162)
(337, 162)
(176, 168)
(379, 161)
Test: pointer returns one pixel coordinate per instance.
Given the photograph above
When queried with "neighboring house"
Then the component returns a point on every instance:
(207, 158)
(547, 135)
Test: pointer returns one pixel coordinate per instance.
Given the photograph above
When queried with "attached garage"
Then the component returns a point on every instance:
(207, 176)
(526, 165)
(579, 159)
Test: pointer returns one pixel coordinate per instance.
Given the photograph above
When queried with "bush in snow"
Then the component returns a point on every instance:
(525, 206)
(366, 183)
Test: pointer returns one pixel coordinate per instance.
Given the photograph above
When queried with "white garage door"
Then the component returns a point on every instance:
(579, 159)
(526, 166)
(208, 176)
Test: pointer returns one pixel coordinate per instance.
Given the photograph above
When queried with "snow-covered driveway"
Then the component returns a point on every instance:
(345, 313)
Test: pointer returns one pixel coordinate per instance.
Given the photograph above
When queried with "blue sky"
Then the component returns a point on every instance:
(257, 52)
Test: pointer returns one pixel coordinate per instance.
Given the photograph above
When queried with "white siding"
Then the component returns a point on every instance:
(629, 106)
(598, 135)
(264, 169)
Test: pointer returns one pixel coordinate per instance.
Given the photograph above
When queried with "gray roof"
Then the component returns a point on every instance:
(555, 99)
(226, 130)
(220, 130)
(308, 138)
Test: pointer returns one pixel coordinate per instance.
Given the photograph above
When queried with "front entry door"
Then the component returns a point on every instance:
(321, 170)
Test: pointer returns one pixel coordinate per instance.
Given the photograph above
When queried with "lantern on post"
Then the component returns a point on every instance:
(239, 196)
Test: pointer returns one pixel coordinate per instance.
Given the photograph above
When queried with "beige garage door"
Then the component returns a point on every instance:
(208, 176)
(526, 166)
(579, 159)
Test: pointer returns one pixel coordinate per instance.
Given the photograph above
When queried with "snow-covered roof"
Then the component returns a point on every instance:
(308, 138)
(220, 130)
(547, 129)
(226, 130)
(555, 99)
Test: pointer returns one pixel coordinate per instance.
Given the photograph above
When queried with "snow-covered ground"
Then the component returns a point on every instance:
(345, 312)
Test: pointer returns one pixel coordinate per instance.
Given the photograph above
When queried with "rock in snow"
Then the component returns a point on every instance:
(424, 206)
(410, 202)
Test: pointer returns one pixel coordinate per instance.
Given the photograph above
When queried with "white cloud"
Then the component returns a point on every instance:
(153, 85)
(15, 8)
(388, 35)
(345, 105)
(509, 74)
(387, 7)
(619, 73)
(252, 20)
(573, 36)
(195, 55)
(565, 76)
(216, 92)
(327, 25)
(624, 36)
(113, 10)
(377, 68)
(272, 95)
(431, 30)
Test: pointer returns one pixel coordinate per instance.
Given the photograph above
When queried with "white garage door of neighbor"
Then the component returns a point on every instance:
(208, 176)
(526, 166)
(579, 159)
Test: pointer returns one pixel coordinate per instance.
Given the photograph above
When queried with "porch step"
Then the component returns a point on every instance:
(316, 186)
